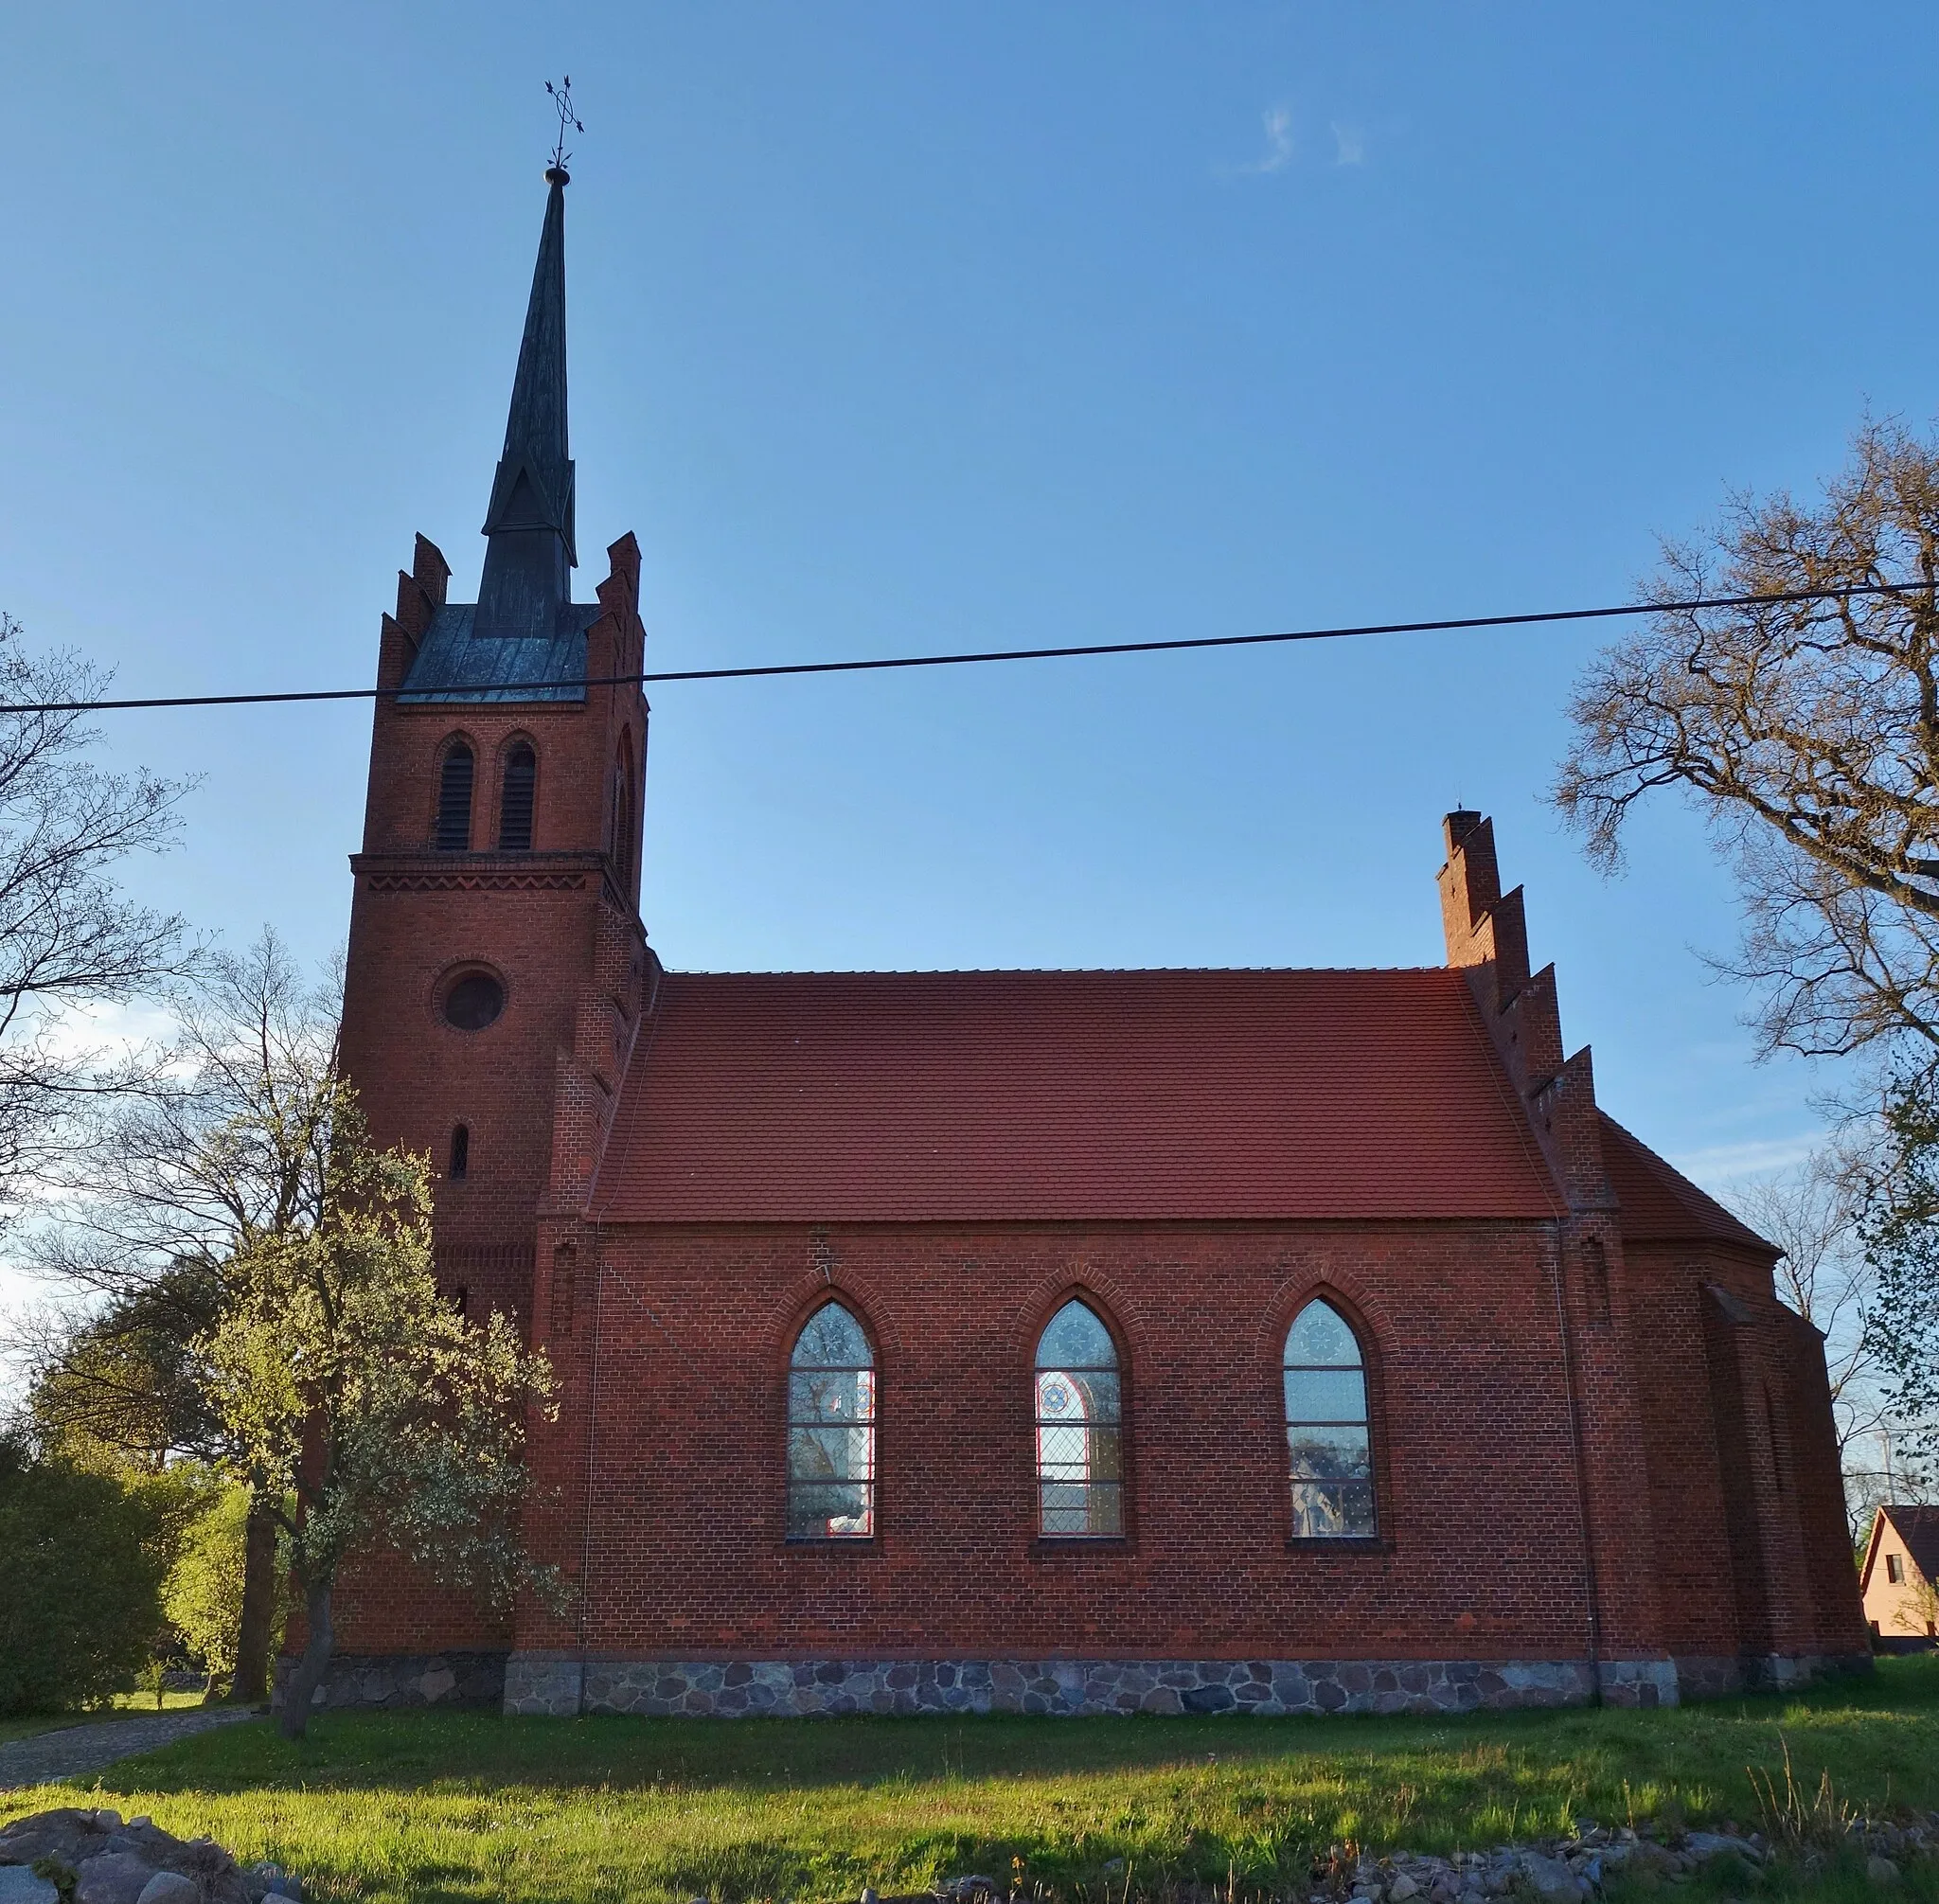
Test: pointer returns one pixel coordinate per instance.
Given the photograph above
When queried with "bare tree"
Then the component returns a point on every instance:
(1807, 731)
(224, 1155)
(69, 936)
(1813, 1215)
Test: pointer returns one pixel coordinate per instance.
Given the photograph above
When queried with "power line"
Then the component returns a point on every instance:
(523, 688)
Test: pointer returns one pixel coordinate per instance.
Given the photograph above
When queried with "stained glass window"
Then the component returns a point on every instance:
(831, 1430)
(1333, 1466)
(1079, 1427)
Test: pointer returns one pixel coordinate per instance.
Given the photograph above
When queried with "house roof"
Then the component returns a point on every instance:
(1068, 1096)
(1660, 1203)
(1918, 1527)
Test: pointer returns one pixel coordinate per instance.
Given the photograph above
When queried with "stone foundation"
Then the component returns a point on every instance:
(1723, 1675)
(405, 1680)
(550, 1685)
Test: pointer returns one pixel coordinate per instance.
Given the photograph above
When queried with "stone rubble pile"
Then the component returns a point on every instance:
(75, 1857)
(1569, 1870)
(1550, 1871)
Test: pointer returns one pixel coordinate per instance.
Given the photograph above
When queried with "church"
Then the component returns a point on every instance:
(1060, 1341)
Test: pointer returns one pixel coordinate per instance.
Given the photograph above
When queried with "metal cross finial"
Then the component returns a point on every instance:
(568, 119)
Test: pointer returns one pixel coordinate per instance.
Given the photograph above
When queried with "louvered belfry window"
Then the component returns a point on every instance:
(1326, 1430)
(515, 799)
(1080, 1471)
(831, 1430)
(455, 800)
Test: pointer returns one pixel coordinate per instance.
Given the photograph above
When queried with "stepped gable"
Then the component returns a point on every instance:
(1660, 1204)
(1066, 1095)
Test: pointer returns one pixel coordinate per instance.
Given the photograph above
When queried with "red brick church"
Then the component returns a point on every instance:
(1069, 1341)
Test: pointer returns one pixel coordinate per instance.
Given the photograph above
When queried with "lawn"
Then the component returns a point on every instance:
(457, 1806)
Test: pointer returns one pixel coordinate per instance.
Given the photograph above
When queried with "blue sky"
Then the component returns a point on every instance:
(917, 327)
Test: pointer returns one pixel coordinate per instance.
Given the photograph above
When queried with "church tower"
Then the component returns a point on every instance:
(497, 965)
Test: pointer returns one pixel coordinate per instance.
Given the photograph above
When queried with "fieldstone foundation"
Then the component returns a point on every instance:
(405, 1680)
(1724, 1675)
(558, 1684)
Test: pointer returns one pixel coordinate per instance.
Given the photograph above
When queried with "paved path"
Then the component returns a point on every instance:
(76, 1749)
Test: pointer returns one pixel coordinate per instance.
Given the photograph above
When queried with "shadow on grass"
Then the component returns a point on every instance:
(1869, 1729)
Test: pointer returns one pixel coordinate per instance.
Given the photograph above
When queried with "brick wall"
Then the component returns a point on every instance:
(1480, 1553)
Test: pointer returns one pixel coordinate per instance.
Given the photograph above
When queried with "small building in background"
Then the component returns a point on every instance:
(1899, 1580)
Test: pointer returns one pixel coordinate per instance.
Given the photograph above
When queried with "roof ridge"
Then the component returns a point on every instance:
(1075, 971)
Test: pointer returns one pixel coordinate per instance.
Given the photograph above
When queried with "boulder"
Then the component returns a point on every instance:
(18, 1885)
(170, 1887)
(112, 1877)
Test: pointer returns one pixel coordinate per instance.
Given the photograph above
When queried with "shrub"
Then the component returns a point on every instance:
(203, 1594)
(79, 1583)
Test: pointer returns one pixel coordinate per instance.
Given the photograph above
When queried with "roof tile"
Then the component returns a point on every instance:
(1067, 1096)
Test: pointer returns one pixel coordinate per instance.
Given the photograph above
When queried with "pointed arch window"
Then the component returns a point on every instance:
(621, 822)
(515, 798)
(454, 834)
(1079, 1427)
(831, 1430)
(1327, 1429)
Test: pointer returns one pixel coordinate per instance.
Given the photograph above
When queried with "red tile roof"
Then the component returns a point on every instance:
(1067, 1096)
(1660, 1203)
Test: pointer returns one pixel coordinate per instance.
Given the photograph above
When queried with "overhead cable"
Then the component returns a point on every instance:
(528, 689)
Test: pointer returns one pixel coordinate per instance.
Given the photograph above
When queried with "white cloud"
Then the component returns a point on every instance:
(1349, 145)
(1277, 121)
(1723, 1165)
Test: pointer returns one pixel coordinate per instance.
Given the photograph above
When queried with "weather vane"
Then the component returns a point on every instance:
(568, 121)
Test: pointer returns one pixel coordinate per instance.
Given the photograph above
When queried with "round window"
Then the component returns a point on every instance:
(474, 1002)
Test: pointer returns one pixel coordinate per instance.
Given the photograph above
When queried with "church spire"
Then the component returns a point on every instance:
(529, 554)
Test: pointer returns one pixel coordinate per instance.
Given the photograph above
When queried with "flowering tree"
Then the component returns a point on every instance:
(364, 1405)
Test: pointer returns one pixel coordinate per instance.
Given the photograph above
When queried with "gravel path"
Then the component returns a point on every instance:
(88, 1748)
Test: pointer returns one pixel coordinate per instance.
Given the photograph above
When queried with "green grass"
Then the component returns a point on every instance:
(426, 1805)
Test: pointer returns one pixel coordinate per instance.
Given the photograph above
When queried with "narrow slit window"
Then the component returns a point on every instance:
(515, 799)
(831, 1430)
(1080, 1471)
(461, 1150)
(455, 801)
(1327, 1442)
(564, 1284)
(1596, 1280)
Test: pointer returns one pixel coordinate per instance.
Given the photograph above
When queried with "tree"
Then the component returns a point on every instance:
(1814, 1216)
(123, 1377)
(360, 1396)
(1901, 1231)
(224, 1155)
(1808, 732)
(69, 939)
(203, 1595)
(79, 1582)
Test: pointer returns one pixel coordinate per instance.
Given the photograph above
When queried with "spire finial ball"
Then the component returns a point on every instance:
(557, 175)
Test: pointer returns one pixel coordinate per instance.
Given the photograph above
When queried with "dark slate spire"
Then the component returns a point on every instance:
(529, 555)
